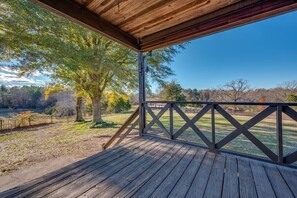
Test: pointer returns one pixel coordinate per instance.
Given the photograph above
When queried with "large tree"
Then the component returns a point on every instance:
(234, 91)
(172, 91)
(40, 40)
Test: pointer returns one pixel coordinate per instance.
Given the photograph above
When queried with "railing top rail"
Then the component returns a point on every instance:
(226, 103)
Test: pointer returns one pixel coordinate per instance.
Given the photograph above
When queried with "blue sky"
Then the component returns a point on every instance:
(264, 53)
(10, 77)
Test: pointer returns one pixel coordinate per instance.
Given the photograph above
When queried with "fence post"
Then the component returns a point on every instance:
(213, 127)
(279, 132)
(1, 124)
(171, 120)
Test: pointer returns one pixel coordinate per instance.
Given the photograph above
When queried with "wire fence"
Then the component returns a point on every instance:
(42, 119)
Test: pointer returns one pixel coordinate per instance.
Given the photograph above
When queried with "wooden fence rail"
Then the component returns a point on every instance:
(13, 123)
(240, 129)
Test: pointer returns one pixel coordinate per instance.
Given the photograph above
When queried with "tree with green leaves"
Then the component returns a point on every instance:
(172, 91)
(75, 56)
(192, 94)
(5, 97)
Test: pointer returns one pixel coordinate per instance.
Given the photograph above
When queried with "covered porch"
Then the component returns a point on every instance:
(159, 164)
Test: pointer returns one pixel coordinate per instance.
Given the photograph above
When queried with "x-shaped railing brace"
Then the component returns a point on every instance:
(156, 119)
(191, 123)
(243, 129)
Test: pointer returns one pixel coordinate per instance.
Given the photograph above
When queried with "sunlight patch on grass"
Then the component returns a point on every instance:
(16, 136)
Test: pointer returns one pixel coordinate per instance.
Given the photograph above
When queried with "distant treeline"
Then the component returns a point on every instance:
(32, 97)
(22, 97)
(278, 94)
(234, 91)
(57, 103)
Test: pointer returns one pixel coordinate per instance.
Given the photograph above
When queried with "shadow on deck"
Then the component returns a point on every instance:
(153, 167)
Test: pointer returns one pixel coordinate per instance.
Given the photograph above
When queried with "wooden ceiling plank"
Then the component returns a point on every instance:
(110, 7)
(196, 21)
(97, 3)
(192, 15)
(171, 22)
(75, 12)
(170, 15)
(137, 16)
(117, 11)
(239, 17)
(130, 9)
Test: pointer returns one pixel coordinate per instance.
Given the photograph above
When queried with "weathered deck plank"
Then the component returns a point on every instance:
(129, 172)
(216, 178)
(145, 176)
(153, 167)
(167, 185)
(134, 176)
(230, 188)
(246, 181)
(199, 183)
(148, 188)
(279, 185)
(291, 178)
(182, 186)
(262, 183)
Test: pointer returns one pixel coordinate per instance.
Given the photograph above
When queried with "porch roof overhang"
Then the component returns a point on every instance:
(145, 25)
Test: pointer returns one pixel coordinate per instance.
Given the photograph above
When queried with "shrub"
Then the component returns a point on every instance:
(116, 102)
(119, 105)
(291, 98)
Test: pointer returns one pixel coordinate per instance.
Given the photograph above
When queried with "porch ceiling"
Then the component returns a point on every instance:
(144, 25)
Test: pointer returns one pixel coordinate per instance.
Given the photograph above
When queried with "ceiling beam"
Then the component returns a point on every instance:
(229, 17)
(79, 14)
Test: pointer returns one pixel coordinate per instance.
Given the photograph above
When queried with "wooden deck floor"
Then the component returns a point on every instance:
(150, 167)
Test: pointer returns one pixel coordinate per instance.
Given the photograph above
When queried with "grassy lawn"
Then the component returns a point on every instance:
(25, 147)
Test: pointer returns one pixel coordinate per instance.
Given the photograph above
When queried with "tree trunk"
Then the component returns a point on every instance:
(79, 108)
(96, 105)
